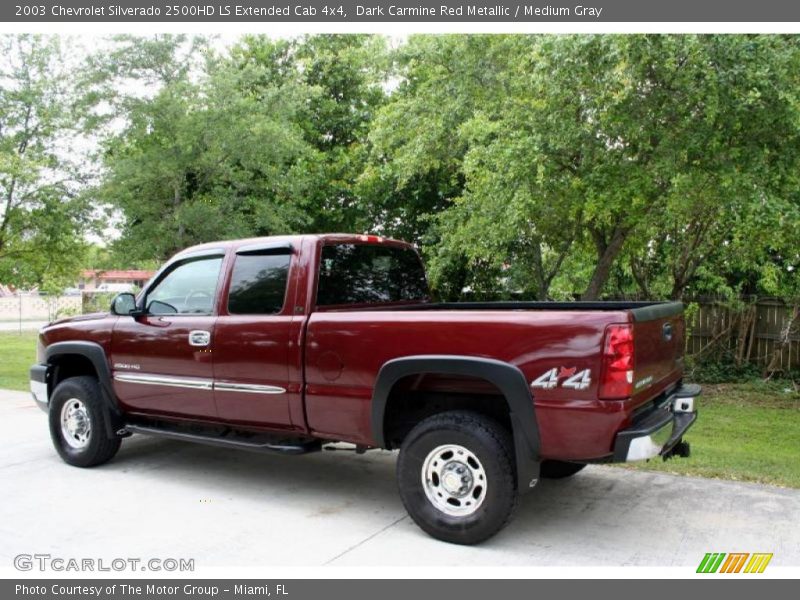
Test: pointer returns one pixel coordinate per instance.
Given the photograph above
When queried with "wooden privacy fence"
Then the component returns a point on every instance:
(765, 332)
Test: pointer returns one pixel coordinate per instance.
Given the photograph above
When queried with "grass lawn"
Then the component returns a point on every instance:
(17, 354)
(745, 432)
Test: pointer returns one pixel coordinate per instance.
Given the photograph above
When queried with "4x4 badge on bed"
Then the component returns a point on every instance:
(579, 380)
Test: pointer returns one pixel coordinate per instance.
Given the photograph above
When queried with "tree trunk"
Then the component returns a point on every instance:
(606, 255)
(176, 202)
(542, 286)
(640, 278)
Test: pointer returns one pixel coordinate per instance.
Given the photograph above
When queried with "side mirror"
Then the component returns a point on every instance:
(123, 304)
(156, 307)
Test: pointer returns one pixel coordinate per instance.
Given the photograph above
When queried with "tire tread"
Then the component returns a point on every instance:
(479, 425)
(101, 448)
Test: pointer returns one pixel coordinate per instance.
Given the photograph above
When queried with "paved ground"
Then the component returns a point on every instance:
(227, 508)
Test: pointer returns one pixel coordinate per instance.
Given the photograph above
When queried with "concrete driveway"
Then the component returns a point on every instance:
(227, 508)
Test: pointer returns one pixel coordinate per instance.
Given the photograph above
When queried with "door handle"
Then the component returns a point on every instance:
(198, 337)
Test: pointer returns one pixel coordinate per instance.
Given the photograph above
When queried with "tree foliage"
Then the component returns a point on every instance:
(203, 156)
(340, 79)
(592, 162)
(575, 166)
(42, 211)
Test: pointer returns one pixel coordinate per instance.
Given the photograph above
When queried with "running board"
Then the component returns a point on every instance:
(256, 444)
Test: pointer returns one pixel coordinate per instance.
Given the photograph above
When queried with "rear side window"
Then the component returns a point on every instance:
(258, 284)
(367, 273)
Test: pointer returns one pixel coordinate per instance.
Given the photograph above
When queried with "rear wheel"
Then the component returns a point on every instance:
(557, 469)
(78, 423)
(456, 476)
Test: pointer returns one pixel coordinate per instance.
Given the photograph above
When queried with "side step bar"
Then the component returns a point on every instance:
(255, 445)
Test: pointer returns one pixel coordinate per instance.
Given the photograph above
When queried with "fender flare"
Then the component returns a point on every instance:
(505, 376)
(97, 356)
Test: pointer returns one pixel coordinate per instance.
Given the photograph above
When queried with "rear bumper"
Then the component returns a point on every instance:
(659, 432)
(38, 380)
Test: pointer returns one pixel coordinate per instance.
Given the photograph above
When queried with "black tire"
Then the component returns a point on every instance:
(98, 448)
(557, 469)
(491, 444)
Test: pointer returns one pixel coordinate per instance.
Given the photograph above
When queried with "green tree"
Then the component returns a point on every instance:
(535, 166)
(43, 216)
(582, 159)
(728, 221)
(341, 79)
(201, 156)
(416, 168)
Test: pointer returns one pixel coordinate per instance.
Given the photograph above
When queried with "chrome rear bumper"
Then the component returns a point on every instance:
(659, 432)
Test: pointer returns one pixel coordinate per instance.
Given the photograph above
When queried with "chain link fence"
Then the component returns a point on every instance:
(23, 312)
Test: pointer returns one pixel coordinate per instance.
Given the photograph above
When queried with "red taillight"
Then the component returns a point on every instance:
(616, 374)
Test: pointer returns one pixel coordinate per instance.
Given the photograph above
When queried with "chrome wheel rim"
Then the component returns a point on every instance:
(454, 480)
(76, 427)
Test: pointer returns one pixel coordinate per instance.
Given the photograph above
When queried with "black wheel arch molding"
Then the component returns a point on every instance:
(95, 354)
(508, 379)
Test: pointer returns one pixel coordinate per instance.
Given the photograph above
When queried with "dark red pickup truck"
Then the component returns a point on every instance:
(283, 344)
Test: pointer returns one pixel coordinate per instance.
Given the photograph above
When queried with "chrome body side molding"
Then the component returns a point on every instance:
(165, 380)
(197, 383)
(248, 388)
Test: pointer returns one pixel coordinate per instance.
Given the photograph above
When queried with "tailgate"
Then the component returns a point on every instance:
(658, 347)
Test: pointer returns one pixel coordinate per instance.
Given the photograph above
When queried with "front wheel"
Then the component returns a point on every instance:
(456, 476)
(78, 423)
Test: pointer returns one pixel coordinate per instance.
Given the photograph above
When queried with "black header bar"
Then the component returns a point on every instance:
(388, 11)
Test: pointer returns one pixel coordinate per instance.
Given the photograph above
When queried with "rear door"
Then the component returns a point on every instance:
(659, 343)
(254, 340)
(162, 361)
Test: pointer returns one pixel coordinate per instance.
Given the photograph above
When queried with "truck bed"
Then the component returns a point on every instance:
(641, 311)
(537, 337)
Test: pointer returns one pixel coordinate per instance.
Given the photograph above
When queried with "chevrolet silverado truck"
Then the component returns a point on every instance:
(284, 344)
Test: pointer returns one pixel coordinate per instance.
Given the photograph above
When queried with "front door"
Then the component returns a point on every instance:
(253, 342)
(162, 361)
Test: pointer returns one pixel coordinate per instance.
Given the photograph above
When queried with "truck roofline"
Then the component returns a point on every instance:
(295, 240)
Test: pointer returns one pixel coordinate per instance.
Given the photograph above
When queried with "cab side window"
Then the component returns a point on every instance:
(369, 273)
(188, 289)
(258, 284)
